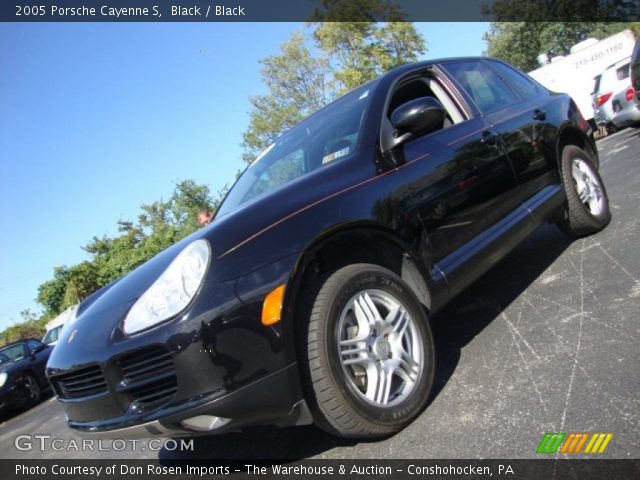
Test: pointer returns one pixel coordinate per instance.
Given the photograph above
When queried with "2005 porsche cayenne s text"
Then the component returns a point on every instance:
(308, 297)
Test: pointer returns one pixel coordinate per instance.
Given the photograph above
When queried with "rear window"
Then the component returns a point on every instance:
(622, 72)
(487, 90)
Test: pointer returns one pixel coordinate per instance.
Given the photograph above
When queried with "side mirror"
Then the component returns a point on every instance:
(411, 119)
(417, 116)
(39, 348)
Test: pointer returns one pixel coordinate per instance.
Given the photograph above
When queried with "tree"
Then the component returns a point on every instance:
(160, 224)
(298, 85)
(362, 51)
(51, 293)
(336, 56)
(520, 43)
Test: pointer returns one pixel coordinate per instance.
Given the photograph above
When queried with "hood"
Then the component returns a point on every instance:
(8, 367)
(224, 235)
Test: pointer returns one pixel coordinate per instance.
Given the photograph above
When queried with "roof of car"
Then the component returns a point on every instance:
(17, 341)
(618, 63)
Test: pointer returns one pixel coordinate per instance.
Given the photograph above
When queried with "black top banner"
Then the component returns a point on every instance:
(318, 10)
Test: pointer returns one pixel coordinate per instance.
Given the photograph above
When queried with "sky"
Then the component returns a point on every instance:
(96, 119)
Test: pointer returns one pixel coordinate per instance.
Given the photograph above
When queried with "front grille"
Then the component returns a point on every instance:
(148, 376)
(80, 383)
(145, 363)
(154, 394)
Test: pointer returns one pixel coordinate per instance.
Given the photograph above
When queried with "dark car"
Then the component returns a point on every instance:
(634, 69)
(22, 373)
(308, 298)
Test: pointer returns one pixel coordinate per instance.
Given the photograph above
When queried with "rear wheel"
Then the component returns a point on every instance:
(370, 353)
(587, 207)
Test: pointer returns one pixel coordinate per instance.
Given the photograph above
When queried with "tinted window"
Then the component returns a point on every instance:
(14, 353)
(521, 84)
(32, 344)
(622, 72)
(482, 84)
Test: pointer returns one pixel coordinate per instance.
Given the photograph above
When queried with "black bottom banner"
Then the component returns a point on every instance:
(321, 469)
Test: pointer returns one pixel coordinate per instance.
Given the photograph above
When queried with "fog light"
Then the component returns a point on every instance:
(204, 423)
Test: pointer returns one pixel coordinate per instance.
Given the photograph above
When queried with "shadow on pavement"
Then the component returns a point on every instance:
(467, 315)
(453, 328)
(9, 414)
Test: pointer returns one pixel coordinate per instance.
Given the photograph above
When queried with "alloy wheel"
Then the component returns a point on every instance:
(32, 388)
(587, 186)
(380, 348)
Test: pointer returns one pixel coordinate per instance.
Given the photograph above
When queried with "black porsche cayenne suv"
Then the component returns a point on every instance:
(308, 298)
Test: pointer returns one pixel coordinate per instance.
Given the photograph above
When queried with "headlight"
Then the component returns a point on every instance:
(172, 291)
(3, 378)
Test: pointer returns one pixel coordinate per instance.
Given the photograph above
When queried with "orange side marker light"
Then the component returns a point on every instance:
(272, 306)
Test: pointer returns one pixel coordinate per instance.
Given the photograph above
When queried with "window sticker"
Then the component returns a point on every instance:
(332, 156)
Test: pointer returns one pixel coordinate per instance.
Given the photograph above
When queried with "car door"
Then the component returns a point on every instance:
(527, 134)
(39, 354)
(459, 178)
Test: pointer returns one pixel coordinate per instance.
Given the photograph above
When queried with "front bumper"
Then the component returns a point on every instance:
(629, 115)
(216, 359)
(263, 402)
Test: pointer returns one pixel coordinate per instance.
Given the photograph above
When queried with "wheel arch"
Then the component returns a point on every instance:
(29, 371)
(571, 135)
(344, 246)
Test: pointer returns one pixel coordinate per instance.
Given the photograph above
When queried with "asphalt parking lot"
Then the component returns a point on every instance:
(545, 342)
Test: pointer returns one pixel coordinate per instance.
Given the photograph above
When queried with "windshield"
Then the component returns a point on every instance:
(13, 353)
(328, 136)
(52, 335)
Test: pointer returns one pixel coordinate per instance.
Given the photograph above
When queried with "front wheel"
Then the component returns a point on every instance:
(32, 389)
(587, 208)
(370, 353)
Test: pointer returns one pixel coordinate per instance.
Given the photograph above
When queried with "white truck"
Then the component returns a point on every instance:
(574, 73)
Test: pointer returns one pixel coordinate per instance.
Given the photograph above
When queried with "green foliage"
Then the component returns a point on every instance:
(520, 43)
(362, 51)
(298, 85)
(159, 225)
(332, 58)
(52, 292)
(30, 327)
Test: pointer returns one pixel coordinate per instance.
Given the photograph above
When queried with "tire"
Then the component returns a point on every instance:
(33, 389)
(381, 377)
(589, 214)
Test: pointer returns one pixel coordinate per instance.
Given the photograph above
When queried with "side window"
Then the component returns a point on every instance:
(32, 344)
(483, 85)
(425, 87)
(521, 84)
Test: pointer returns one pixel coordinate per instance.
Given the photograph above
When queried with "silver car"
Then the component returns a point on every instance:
(614, 98)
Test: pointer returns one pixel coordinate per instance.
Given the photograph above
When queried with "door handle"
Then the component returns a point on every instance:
(539, 115)
(489, 137)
